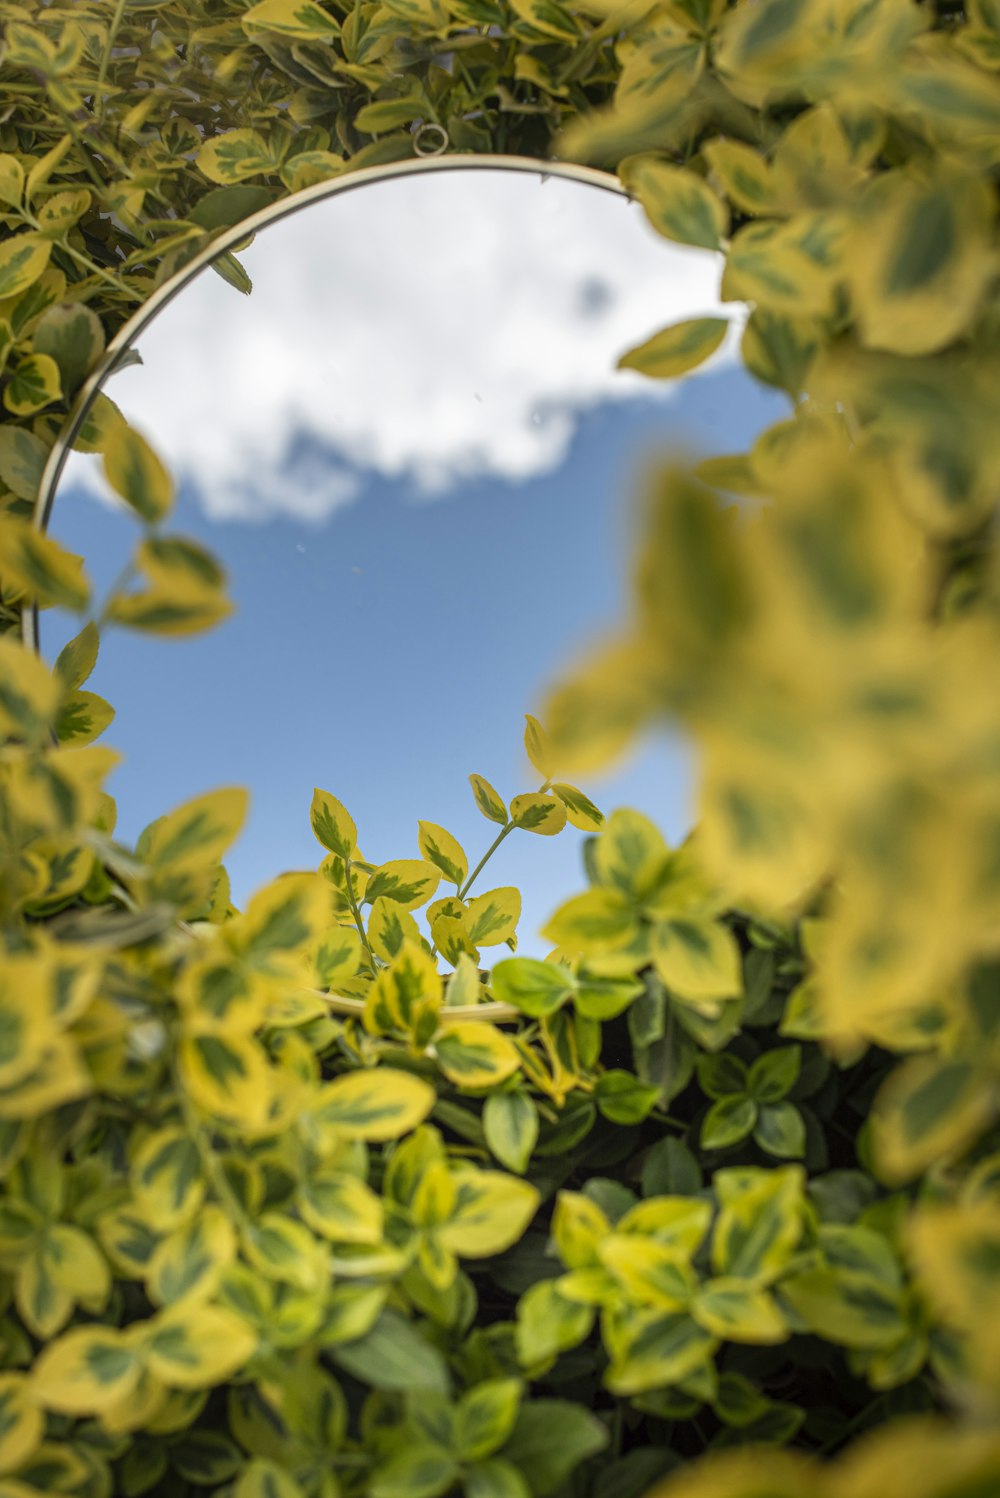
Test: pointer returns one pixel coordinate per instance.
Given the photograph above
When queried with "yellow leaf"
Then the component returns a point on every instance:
(930, 1110)
(744, 176)
(234, 156)
(580, 810)
(489, 801)
(166, 1178)
(389, 926)
(409, 988)
(34, 384)
(295, 18)
(592, 923)
(767, 264)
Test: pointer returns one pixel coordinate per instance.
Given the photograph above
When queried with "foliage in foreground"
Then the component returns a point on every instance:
(293, 1205)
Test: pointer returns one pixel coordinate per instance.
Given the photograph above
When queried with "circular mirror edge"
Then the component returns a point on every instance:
(283, 208)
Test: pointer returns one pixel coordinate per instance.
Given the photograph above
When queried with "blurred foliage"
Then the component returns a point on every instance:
(300, 1201)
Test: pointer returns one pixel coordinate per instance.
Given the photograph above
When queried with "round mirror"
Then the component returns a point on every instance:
(412, 450)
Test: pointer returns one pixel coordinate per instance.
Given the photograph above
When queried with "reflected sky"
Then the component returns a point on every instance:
(411, 450)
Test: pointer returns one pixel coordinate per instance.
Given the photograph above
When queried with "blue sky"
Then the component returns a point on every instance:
(390, 635)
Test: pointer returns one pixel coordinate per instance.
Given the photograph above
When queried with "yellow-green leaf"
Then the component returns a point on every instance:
(492, 918)
(491, 1212)
(929, 1110)
(34, 384)
(29, 692)
(229, 1076)
(333, 824)
(439, 847)
(22, 1423)
(295, 18)
(166, 1178)
(678, 203)
(737, 1312)
(188, 1265)
(408, 881)
(597, 921)
(197, 833)
(86, 1371)
(50, 575)
(475, 1055)
(489, 801)
(374, 1104)
(135, 472)
(341, 1207)
(197, 1347)
(580, 810)
(698, 959)
(534, 812)
(234, 156)
(73, 336)
(675, 350)
(22, 260)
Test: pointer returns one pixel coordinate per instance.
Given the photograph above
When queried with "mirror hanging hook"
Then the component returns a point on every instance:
(430, 139)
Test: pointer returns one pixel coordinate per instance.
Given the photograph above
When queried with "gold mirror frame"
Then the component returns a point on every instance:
(127, 335)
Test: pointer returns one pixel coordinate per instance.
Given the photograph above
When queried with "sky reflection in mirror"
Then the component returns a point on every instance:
(412, 451)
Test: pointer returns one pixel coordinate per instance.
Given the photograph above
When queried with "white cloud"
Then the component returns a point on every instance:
(440, 327)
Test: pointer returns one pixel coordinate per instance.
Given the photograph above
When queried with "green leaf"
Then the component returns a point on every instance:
(77, 659)
(495, 1479)
(266, 1479)
(670, 1169)
(676, 350)
(486, 1416)
(623, 1099)
(604, 998)
(22, 460)
(395, 1357)
(489, 801)
(547, 1463)
(780, 1130)
(678, 203)
(721, 1076)
(773, 1075)
(419, 1471)
(510, 1123)
(135, 472)
(549, 1323)
(536, 988)
(727, 1122)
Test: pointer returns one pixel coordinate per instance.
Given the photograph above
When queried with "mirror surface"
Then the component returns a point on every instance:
(412, 451)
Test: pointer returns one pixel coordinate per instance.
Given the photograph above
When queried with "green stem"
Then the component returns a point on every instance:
(356, 911)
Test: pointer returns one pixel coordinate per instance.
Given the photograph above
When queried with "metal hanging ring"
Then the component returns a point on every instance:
(430, 139)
